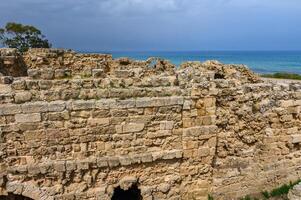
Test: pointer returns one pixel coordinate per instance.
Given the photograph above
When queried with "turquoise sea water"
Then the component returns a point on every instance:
(258, 61)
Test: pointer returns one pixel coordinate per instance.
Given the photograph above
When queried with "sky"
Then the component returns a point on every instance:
(161, 25)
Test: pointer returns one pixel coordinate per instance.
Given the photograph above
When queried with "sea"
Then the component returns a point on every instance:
(262, 62)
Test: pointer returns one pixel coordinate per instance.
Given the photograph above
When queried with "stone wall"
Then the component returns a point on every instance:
(80, 125)
(12, 63)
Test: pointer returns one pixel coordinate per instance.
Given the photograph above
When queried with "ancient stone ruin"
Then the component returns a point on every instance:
(87, 126)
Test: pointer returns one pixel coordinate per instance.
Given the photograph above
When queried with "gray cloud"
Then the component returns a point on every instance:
(161, 24)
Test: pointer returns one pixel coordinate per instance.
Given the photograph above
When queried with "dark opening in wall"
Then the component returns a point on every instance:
(11, 196)
(132, 193)
(219, 76)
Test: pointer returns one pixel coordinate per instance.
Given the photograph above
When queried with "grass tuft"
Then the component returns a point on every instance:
(283, 75)
(210, 197)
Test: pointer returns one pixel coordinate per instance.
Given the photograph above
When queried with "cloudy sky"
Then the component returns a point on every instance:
(96, 25)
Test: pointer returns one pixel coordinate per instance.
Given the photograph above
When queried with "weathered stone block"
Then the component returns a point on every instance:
(34, 73)
(35, 107)
(22, 97)
(56, 106)
(144, 102)
(146, 158)
(122, 104)
(19, 85)
(125, 160)
(287, 103)
(166, 125)
(83, 105)
(27, 118)
(98, 73)
(47, 74)
(296, 138)
(5, 89)
(105, 103)
(130, 128)
(172, 154)
(113, 161)
(98, 121)
(123, 73)
(10, 109)
(102, 162)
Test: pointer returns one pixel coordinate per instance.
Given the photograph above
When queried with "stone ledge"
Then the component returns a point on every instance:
(93, 163)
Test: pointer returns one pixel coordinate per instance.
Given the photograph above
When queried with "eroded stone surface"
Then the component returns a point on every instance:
(295, 193)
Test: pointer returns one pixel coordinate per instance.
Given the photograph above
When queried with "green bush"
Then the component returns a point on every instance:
(22, 37)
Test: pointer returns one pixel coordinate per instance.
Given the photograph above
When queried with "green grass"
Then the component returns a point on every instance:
(278, 193)
(283, 75)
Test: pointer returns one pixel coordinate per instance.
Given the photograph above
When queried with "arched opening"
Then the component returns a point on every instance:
(133, 193)
(11, 196)
(219, 76)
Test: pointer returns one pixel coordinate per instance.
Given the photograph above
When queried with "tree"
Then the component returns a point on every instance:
(22, 37)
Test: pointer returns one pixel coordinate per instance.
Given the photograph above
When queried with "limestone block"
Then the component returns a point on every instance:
(27, 118)
(29, 190)
(113, 161)
(33, 170)
(45, 84)
(34, 73)
(125, 160)
(122, 104)
(56, 106)
(144, 102)
(60, 166)
(98, 121)
(5, 89)
(10, 109)
(126, 182)
(169, 155)
(136, 159)
(297, 102)
(146, 158)
(166, 125)
(203, 152)
(70, 166)
(97, 73)
(6, 79)
(296, 138)
(129, 128)
(187, 105)
(47, 73)
(14, 187)
(19, 85)
(35, 107)
(102, 162)
(193, 131)
(158, 134)
(62, 73)
(86, 72)
(286, 103)
(295, 193)
(105, 103)
(123, 73)
(83, 105)
(21, 97)
(82, 164)
(164, 187)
